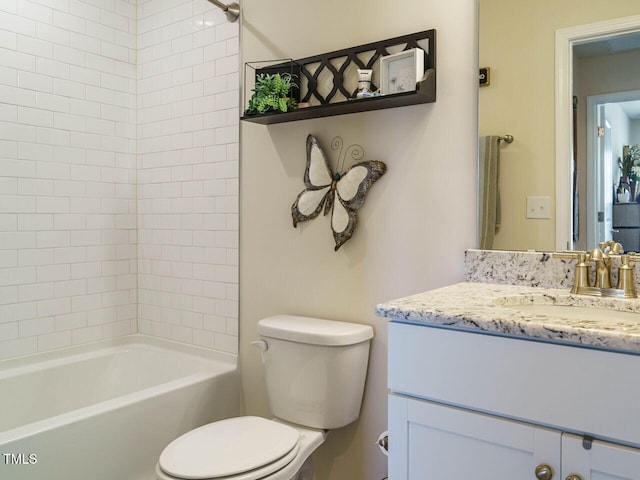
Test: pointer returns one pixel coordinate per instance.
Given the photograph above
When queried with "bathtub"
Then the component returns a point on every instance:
(106, 410)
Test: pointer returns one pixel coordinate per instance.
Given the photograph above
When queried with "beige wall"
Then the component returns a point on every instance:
(518, 43)
(414, 226)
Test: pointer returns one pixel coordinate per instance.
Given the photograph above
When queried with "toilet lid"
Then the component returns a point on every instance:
(228, 447)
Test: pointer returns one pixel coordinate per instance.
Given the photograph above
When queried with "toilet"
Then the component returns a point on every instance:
(315, 372)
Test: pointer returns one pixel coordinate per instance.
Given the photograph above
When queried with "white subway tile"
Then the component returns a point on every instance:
(100, 63)
(84, 10)
(8, 258)
(111, 50)
(114, 20)
(18, 311)
(35, 291)
(8, 185)
(226, 343)
(8, 331)
(84, 75)
(70, 321)
(8, 149)
(69, 288)
(17, 204)
(52, 68)
(34, 11)
(67, 88)
(53, 273)
(68, 22)
(8, 221)
(21, 346)
(35, 257)
(34, 46)
(17, 23)
(35, 116)
(16, 96)
(8, 113)
(35, 186)
(51, 33)
(83, 303)
(72, 56)
(53, 341)
(10, 6)
(53, 171)
(52, 102)
(84, 335)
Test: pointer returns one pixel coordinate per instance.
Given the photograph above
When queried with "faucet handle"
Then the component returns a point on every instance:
(582, 267)
(626, 276)
(615, 248)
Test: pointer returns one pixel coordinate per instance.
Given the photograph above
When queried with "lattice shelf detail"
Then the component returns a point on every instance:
(329, 81)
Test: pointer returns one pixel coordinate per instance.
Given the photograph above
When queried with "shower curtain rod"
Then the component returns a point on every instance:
(506, 139)
(232, 11)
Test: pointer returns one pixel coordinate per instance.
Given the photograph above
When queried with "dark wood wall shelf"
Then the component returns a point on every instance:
(340, 101)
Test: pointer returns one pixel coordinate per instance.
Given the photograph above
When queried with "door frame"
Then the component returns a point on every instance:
(566, 38)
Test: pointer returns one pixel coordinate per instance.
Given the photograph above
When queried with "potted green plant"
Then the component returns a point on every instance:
(272, 93)
(629, 166)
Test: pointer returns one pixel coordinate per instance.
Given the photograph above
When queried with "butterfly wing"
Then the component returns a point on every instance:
(317, 182)
(350, 193)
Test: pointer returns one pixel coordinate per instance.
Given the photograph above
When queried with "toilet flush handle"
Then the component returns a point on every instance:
(261, 344)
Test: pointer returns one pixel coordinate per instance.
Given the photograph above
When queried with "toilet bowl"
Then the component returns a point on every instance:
(241, 448)
(306, 362)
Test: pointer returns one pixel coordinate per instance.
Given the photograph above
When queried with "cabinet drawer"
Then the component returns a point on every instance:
(584, 390)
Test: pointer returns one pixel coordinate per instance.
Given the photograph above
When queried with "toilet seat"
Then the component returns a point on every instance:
(240, 448)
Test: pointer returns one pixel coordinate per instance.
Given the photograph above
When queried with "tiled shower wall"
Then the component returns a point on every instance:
(73, 76)
(188, 173)
(67, 173)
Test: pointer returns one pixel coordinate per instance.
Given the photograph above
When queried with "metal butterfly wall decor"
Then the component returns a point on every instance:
(341, 193)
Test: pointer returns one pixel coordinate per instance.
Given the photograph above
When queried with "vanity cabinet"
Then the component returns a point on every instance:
(468, 405)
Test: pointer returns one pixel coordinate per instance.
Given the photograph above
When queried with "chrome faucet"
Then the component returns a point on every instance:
(602, 257)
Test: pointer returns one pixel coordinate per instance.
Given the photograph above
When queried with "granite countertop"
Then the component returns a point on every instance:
(481, 307)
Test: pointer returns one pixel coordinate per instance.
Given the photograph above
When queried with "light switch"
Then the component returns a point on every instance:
(538, 207)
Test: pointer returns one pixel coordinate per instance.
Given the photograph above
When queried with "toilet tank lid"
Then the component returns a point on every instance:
(315, 331)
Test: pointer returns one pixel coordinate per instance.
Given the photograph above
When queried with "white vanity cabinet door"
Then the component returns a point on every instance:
(429, 441)
(603, 461)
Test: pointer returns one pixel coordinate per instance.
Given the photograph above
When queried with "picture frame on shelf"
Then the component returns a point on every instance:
(401, 72)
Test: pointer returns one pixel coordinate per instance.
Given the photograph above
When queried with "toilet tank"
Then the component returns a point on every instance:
(315, 369)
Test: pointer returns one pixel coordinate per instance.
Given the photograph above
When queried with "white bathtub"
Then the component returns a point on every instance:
(107, 410)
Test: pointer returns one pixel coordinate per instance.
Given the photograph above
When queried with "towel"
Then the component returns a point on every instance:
(489, 195)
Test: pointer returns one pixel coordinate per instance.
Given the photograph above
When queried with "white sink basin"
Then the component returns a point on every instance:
(570, 308)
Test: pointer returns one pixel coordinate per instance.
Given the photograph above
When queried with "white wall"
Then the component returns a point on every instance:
(67, 173)
(634, 132)
(188, 173)
(417, 219)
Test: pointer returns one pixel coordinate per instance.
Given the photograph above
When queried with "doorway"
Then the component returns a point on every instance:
(566, 69)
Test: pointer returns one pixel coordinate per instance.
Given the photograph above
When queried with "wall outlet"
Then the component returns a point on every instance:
(538, 207)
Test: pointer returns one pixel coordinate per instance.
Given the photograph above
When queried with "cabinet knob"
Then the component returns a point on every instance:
(573, 476)
(545, 472)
